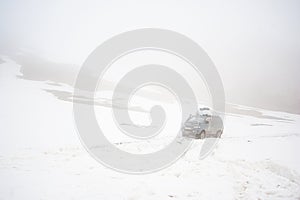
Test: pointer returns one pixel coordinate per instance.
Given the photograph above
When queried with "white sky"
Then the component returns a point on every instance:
(254, 44)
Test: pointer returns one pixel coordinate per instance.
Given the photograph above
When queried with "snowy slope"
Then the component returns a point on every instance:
(41, 156)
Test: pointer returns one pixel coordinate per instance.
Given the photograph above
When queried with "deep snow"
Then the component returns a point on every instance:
(41, 156)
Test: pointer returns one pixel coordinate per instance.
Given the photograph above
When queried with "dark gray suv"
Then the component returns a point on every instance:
(203, 124)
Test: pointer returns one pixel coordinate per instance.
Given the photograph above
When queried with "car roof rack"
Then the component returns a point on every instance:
(204, 108)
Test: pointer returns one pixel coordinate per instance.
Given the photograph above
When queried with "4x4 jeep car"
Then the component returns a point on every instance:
(203, 124)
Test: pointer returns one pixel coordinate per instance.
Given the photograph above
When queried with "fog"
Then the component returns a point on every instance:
(255, 45)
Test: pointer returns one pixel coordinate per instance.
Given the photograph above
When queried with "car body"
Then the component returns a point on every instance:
(202, 125)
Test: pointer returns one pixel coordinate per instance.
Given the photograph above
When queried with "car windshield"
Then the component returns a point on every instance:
(195, 119)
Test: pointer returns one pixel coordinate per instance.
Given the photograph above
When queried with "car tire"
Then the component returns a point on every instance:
(201, 135)
(218, 134)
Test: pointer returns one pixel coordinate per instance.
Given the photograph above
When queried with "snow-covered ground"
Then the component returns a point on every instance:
(41, 156)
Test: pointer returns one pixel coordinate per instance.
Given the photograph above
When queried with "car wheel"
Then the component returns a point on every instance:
(218, 134)
(201, 135)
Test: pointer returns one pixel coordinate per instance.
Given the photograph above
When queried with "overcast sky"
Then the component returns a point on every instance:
(254, 44)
